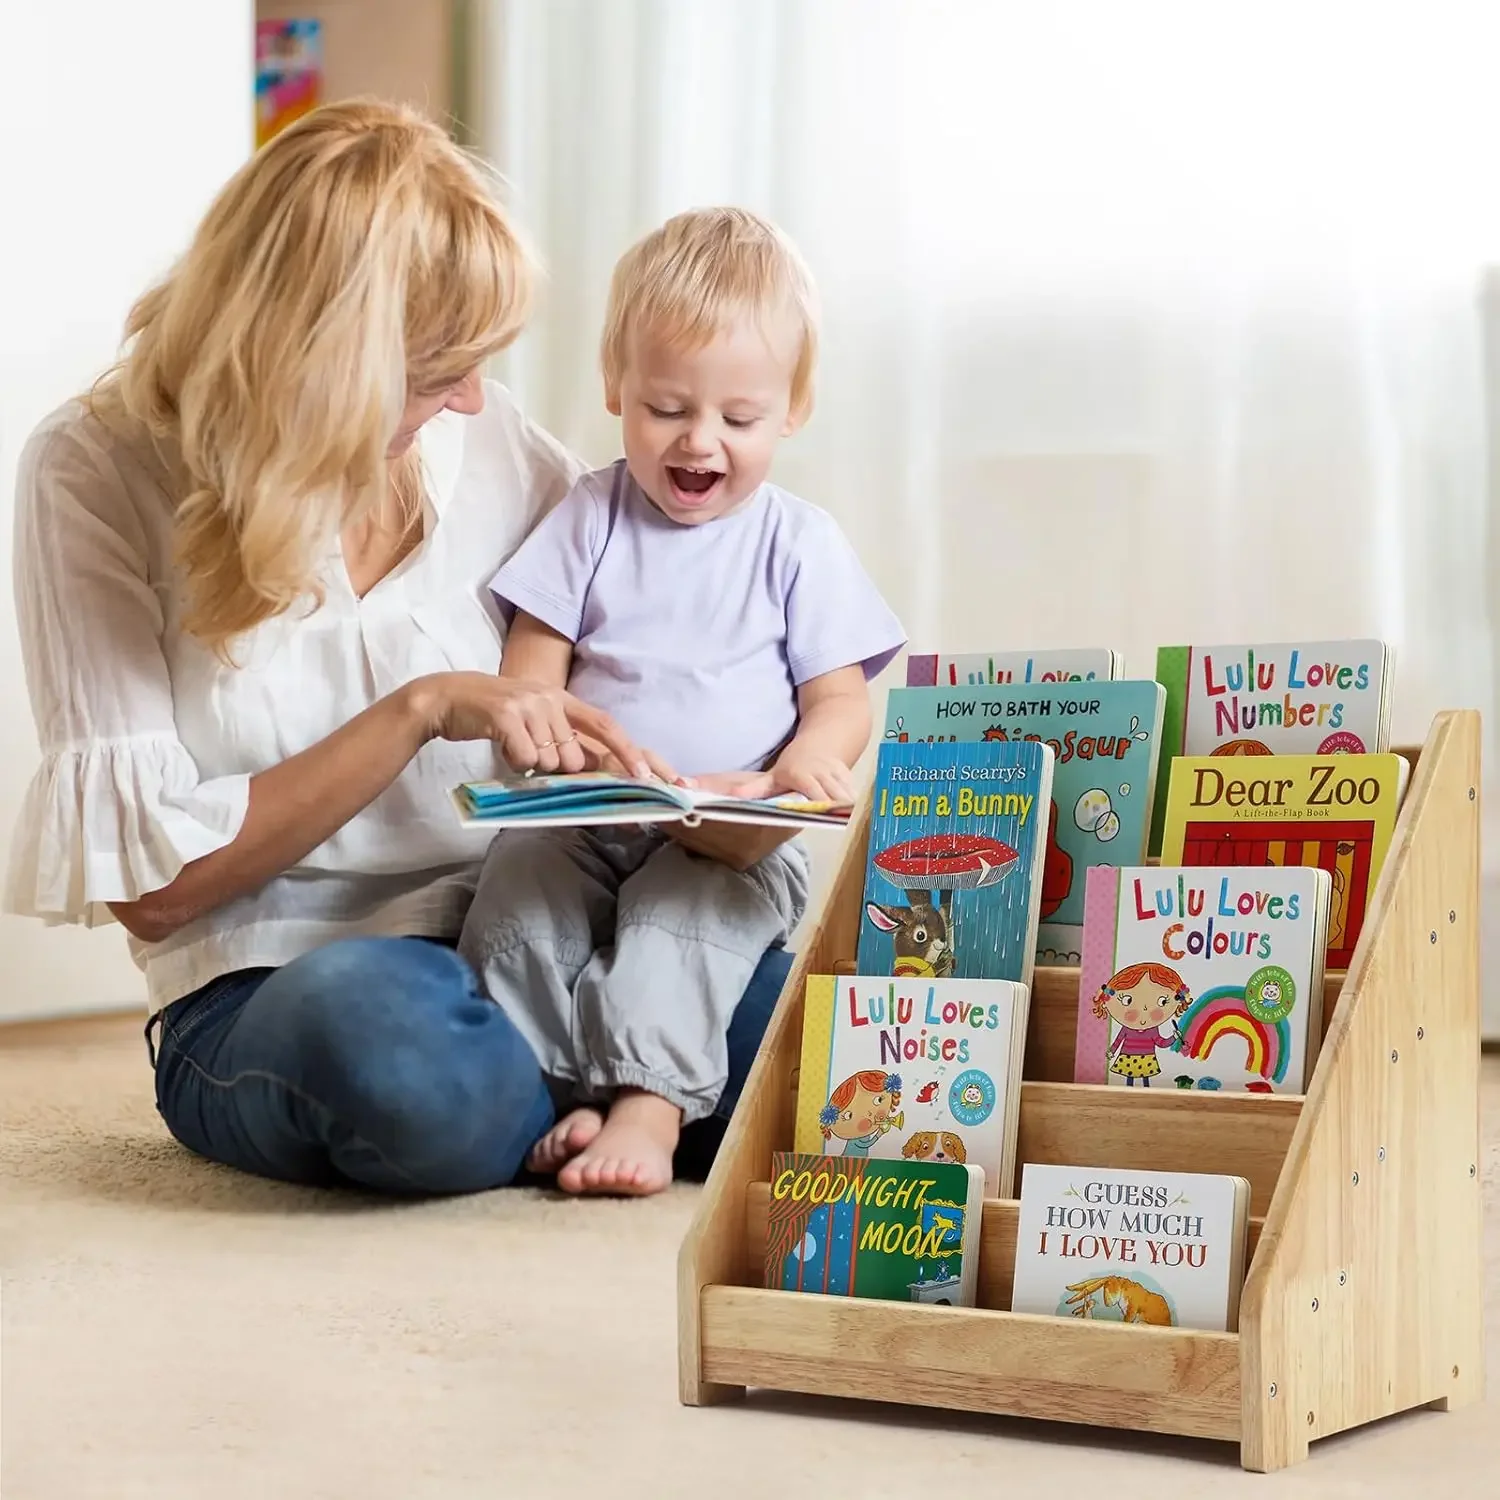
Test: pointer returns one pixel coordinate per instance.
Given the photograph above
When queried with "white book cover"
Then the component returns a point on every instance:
(987, 668)
(1298, 698)
(1207, 977)
(913, 1068)
(1160, 1248)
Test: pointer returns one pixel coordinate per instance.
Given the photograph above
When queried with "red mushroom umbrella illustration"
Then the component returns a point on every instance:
(946, 862)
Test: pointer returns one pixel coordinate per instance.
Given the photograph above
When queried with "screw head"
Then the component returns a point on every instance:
(1380, 1154)
(1455, 1372)
(1309, 1419)
(1272, 1391)
(1343, 1277)
(1432, 936)
(1471, 794)
(1355, 1179)
(1315, 1304)
(1421, 1032)
(1471, 1169)
(1452, 915)
(1395, 1056)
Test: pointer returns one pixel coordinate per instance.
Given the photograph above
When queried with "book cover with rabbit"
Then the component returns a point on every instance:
(1104, 737)
(1160, 1248)
(925, 1070)
(953, 879)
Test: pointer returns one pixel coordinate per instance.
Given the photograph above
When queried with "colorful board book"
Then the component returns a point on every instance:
(988, 668)
(288, 73)
(1160, 1248)
(903, 1231)
(592, 798)
(913, 1069)
(1104, 737)
(1211, 977)
(953, 881)
(1293, 698)
(1337, 812)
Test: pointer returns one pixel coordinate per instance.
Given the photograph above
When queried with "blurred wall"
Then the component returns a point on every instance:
(118, 122)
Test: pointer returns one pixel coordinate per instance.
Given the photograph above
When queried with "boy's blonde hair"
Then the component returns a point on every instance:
(357, 256)
(686, 280)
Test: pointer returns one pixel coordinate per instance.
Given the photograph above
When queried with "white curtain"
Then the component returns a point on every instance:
(1144, 323)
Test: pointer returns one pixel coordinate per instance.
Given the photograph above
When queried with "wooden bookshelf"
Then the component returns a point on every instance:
(1365, 1272)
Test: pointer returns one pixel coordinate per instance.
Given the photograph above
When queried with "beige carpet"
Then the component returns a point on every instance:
(172, 1330)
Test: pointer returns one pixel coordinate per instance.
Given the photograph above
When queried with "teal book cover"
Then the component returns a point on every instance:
(1105, 738)
(953, 878)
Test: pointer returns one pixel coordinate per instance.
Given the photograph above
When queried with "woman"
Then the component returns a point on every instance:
(251, 572)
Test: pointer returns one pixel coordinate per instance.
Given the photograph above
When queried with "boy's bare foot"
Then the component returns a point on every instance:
(565, 1140)
(632, 1154)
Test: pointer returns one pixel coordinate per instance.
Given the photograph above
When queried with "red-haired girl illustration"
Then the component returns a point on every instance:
(1140, 1000)
(861, 1109)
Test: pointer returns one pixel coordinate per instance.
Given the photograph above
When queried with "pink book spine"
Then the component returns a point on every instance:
(921, 671)
(1101, 894)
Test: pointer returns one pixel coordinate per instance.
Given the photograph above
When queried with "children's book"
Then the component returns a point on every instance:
(987, 668)
(915, 1070)
(1104, 737)
(1298, 698)
(904, 1231)
(592, 797)
(288, 74)
(1162, 1248)
(1206, 978)
(953, 883)
(1337, 812)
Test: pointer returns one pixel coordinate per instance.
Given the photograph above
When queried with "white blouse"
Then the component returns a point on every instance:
(148, 742)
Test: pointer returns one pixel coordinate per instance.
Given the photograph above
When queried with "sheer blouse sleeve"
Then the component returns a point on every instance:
(116, 807)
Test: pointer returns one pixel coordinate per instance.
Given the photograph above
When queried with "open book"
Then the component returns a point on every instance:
(592, 797)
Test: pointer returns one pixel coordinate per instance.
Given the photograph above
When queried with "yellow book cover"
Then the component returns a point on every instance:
(1333, 812)
(925, 1070)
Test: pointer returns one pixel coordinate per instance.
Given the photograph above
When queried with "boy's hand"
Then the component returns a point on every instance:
(813, 774)
(799, 770)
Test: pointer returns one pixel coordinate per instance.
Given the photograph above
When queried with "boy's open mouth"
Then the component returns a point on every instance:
(693, 486)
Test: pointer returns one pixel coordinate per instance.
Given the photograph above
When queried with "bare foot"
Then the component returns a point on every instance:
(632, 1154)
(565, 1140)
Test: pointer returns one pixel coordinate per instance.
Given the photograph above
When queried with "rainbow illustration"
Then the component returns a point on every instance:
(1221, 1012)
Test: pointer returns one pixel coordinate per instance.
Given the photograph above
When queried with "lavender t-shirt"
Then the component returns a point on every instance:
(696, 638)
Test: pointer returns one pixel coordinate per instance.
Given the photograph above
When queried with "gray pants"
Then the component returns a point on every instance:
(621, 957)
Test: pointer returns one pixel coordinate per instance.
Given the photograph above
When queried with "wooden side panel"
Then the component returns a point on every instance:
(1167, 1379)
(713, 1250)
(1366, 1295)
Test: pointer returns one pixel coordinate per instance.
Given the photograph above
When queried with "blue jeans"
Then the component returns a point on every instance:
(380, 1062)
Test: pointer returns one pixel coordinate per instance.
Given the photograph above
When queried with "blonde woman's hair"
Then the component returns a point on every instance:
(358, 256)
(685, 281)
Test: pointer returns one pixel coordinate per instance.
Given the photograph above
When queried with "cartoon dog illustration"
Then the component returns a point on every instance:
(934, 1145)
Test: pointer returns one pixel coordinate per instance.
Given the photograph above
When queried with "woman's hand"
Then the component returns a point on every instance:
(598, 757)
(536, 727)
